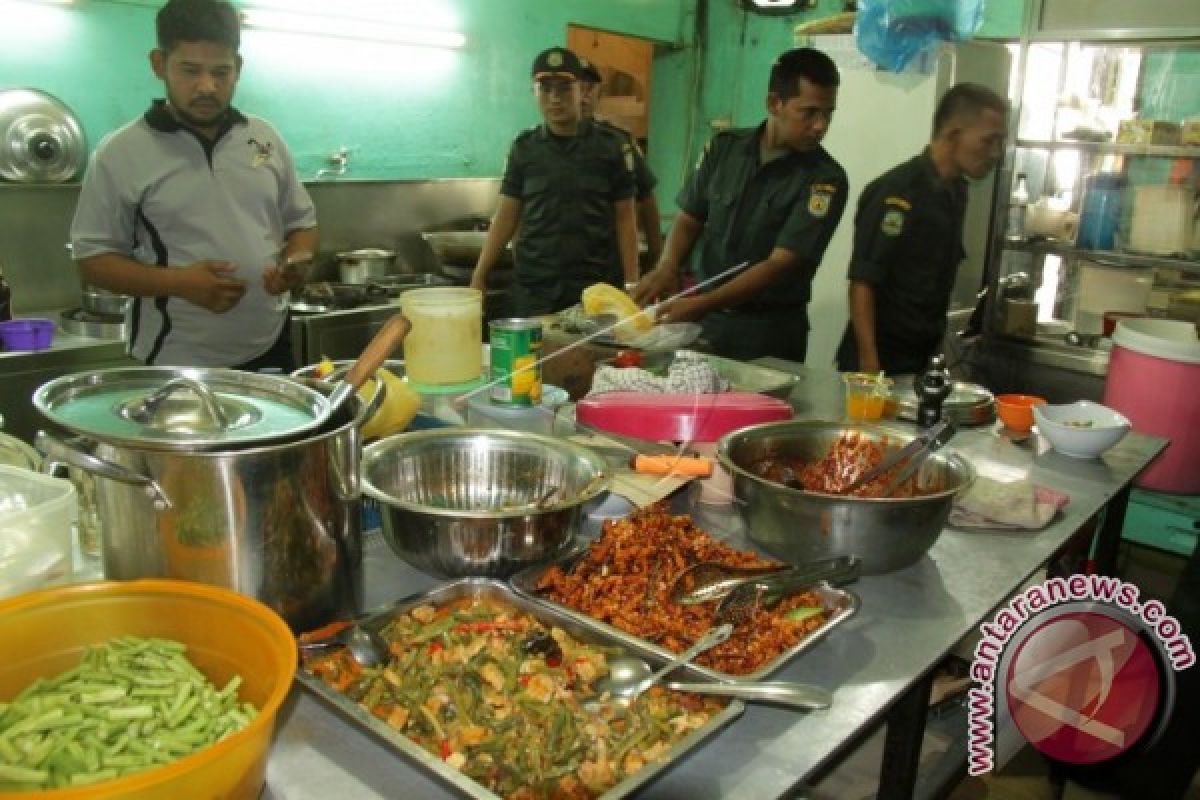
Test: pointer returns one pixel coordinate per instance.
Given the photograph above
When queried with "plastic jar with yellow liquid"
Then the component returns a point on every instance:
(447, 330)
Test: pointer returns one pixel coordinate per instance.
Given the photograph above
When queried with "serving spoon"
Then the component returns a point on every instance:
(625, 686)
(365, 646)
(632, 671)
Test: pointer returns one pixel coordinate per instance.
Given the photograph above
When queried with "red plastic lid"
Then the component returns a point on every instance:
(679, 417)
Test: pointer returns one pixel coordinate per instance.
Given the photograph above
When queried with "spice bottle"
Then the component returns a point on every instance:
(932, 387)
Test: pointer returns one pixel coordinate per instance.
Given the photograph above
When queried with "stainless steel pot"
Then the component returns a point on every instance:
(800, 526)
(364, 266)
(104, 302)
(280, 522)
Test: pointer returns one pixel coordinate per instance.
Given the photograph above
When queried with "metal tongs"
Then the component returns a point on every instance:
(915, 451)
(749, 596)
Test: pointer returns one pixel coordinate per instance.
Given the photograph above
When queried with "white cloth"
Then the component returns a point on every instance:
(691, 374)
(1012, 505)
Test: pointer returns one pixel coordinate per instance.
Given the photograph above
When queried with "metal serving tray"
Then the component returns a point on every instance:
(547, 614)
(968, 404)
(839, 603)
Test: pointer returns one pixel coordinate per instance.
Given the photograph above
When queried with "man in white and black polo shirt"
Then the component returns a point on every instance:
(196, 209)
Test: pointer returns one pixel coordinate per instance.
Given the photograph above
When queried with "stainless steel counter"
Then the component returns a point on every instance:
(22, 372)
(908, 621)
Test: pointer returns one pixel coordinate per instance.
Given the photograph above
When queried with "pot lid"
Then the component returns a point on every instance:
(170, 408)
(369, 252)
(40, 139)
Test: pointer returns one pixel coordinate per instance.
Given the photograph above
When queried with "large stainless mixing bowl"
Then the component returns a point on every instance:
(799, 526)
(463, 501)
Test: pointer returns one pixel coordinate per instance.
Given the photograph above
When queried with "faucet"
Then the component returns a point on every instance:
(339, 160)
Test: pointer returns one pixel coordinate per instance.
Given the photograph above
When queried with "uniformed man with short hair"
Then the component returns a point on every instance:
(567, 195)
(770, 198)
(908, 237)
(648, 217)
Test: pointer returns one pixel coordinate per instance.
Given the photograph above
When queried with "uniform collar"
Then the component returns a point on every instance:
(929, 170)
(160, 118)
(751, 146)
(544, 131)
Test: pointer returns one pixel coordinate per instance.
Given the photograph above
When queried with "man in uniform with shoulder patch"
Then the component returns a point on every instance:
(649, 219)
(768, 197)
(567, 196)
(908, 236)
(196, 209)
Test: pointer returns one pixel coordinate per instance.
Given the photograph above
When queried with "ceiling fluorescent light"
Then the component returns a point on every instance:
(349, 28)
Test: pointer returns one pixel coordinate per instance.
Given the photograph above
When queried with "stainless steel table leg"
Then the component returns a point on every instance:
(1108, 541)
(902, 743)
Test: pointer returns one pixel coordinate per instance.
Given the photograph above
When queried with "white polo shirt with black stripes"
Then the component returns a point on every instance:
(159, 194)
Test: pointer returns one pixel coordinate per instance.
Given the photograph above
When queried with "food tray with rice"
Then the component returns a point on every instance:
(620, 585)
(493, 693)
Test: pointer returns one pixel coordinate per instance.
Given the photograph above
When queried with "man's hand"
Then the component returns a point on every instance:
(684, 309)
(207, 284)
(280, 278)
(662, 281)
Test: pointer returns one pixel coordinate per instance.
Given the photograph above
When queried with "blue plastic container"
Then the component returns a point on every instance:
(1101, 214)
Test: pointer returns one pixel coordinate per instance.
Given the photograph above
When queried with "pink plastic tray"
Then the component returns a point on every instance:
(679, 417)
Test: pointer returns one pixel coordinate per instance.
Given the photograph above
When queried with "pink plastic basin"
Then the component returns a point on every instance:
(1154, 380)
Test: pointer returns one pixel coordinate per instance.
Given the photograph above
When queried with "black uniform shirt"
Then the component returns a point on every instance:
(794, 202)
(567, 186)
(643, 178)
(908, 245)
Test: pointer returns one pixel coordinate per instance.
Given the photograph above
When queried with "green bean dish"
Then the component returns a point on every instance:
(130, 705)
(510, 703)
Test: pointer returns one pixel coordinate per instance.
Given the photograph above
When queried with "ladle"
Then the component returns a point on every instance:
(364, 645)
(627, 687)
(629, 670)
(373, 355)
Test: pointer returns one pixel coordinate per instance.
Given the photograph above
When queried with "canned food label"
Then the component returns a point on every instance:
(516, 349)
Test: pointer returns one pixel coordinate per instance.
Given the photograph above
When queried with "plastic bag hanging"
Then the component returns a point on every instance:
(892, 32)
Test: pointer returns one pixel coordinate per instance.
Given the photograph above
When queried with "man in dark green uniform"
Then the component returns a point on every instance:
(908, 237)
(769, 198)
(649, 219)
(567, 195)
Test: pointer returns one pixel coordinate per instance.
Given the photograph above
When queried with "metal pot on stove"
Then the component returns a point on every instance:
(364, 266)
(236, 479)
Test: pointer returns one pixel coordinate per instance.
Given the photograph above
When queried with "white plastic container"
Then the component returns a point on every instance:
(483, 413)
(447, 328)
(36, 516)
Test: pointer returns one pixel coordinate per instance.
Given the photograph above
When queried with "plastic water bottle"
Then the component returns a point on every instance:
(1018, 206)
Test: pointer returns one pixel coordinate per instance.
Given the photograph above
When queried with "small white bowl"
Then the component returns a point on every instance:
(1082, 429)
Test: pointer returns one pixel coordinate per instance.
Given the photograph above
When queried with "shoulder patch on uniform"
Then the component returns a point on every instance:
(893, 222)
(627, 151)
(898, 202)
(820, 196)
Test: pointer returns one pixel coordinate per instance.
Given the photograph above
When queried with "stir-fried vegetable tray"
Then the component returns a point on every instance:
(496, 694)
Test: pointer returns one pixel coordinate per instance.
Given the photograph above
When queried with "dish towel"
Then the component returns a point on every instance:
(684, 376)
(1013, 505)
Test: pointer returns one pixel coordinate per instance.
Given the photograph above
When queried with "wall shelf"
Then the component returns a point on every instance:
(1114, 258)
(1113, 148)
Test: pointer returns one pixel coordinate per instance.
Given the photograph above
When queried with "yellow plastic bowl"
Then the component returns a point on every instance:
(45, 633)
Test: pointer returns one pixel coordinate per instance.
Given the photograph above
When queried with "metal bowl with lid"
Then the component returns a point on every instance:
(169, 408)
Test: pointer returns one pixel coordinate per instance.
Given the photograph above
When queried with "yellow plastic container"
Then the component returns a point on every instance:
(447, 329)
(44, 633)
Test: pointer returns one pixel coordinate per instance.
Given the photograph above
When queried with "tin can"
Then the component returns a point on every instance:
(516, 348)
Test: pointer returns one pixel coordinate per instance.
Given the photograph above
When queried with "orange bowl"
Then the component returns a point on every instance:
(1016, 410)
(45, 633)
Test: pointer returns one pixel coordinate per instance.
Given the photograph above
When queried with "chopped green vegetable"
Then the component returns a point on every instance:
(802, 613)
(132, 704)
